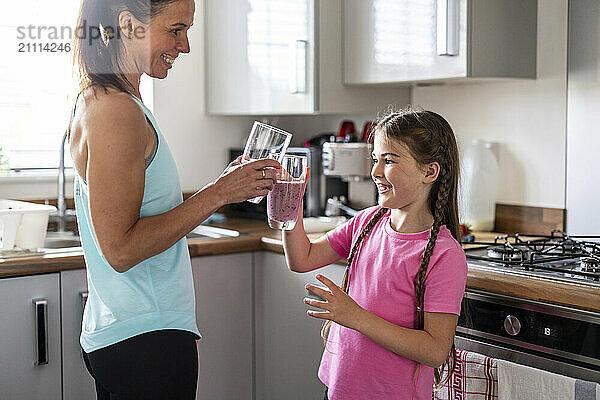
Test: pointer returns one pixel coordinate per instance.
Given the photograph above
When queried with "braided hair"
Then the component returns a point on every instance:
(365, 231)
(429, 138)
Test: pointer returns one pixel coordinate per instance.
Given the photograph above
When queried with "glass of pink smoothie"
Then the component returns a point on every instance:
(285, 199)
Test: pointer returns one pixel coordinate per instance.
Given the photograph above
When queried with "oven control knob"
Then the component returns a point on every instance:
(512, 325)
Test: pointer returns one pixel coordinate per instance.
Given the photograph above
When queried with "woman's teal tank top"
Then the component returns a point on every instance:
(157, 293)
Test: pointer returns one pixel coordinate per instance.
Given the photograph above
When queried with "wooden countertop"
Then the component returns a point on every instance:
(258, 237)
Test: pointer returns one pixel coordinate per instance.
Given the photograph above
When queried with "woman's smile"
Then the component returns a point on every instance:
(168, 59)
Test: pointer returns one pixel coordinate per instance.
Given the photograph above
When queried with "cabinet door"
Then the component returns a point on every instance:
(288, 342)
(77, 382)
(223, 286)
(404, 40)
(259, 56)
(30, 356)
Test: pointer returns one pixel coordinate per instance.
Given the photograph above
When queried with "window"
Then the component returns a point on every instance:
(272, 27)
(36, 84)
(408, 19)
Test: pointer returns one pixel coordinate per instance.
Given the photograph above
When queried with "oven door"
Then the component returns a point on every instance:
(545, 336)
(464, 342)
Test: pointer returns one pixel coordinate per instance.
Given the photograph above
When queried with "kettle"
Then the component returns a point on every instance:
(479, 185)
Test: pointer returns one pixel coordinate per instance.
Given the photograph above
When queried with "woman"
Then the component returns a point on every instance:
(139, 330)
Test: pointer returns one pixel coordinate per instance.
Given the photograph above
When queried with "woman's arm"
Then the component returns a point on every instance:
(429, 346)
(115, 174)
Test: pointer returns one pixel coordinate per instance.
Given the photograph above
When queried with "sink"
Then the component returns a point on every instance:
(211, 232)
(55, 240)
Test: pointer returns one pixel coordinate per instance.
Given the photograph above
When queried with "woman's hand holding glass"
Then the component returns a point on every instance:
(243, 181)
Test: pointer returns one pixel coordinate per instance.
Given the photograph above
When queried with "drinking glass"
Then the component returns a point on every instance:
(265, 141)
(285, 199)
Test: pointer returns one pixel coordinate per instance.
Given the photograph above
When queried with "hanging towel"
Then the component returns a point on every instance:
(474, 378)
(519, 382)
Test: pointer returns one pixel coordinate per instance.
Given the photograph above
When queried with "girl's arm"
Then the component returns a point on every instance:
(429, 346)
(301, 254)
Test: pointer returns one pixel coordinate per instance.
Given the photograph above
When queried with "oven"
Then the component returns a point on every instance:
(554, 338)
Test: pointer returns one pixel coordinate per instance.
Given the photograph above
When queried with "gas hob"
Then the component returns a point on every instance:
(574, 259)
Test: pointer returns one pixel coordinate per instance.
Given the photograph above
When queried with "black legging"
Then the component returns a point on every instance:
(155, 365)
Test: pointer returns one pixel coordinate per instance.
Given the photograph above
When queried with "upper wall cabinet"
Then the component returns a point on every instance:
(391, 41)
(282, 57)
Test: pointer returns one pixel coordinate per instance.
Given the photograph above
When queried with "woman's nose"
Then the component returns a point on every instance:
(183, 45)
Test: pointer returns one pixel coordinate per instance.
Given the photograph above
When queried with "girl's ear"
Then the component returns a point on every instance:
(432, 171)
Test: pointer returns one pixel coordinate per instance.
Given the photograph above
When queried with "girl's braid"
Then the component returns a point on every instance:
(365, 231)
(438, 221)
(439, 218)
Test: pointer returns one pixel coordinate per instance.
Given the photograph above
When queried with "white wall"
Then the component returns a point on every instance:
(527, 117)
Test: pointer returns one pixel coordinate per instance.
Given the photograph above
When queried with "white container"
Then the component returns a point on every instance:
(27, 224)
(479, 185)
(9, 224)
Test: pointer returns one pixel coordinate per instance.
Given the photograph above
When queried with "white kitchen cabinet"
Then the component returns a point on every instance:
(282, 57)
(396, 41)
(288, 342)
(30, 343)
(78, 384)
(223, 286)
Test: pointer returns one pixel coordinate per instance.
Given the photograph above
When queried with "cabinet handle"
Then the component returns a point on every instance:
(84, 297)
(448, 27)
(298, 53)
(41, 330)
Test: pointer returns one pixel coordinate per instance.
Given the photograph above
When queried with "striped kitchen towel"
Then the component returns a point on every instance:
(475, 377)
(520, 382)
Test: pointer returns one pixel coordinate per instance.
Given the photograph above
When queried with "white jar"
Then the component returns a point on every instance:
(478, 186)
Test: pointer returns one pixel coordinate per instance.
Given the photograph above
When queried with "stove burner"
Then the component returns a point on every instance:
(558, 256)
(505, 253)
(589, 264)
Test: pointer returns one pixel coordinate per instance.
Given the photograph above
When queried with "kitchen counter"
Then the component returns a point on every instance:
(258, 237)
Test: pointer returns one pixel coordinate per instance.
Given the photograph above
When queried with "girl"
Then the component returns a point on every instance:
(397, 310)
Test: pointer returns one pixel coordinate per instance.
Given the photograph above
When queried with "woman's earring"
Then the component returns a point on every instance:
(105, 33)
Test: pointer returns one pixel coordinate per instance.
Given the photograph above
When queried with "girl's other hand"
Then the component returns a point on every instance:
(337, 307)
(243, 181)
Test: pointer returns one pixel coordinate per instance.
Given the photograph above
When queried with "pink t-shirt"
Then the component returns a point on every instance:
(382, 281)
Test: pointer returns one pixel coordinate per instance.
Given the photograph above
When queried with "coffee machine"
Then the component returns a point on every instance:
(349, 165)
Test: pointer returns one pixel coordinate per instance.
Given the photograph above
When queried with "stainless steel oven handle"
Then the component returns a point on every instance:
(520, 357)
(525, 345)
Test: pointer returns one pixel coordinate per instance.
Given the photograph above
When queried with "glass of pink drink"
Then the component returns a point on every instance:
(285, 199)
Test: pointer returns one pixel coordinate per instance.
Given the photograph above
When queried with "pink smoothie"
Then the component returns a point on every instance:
(283, 201)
